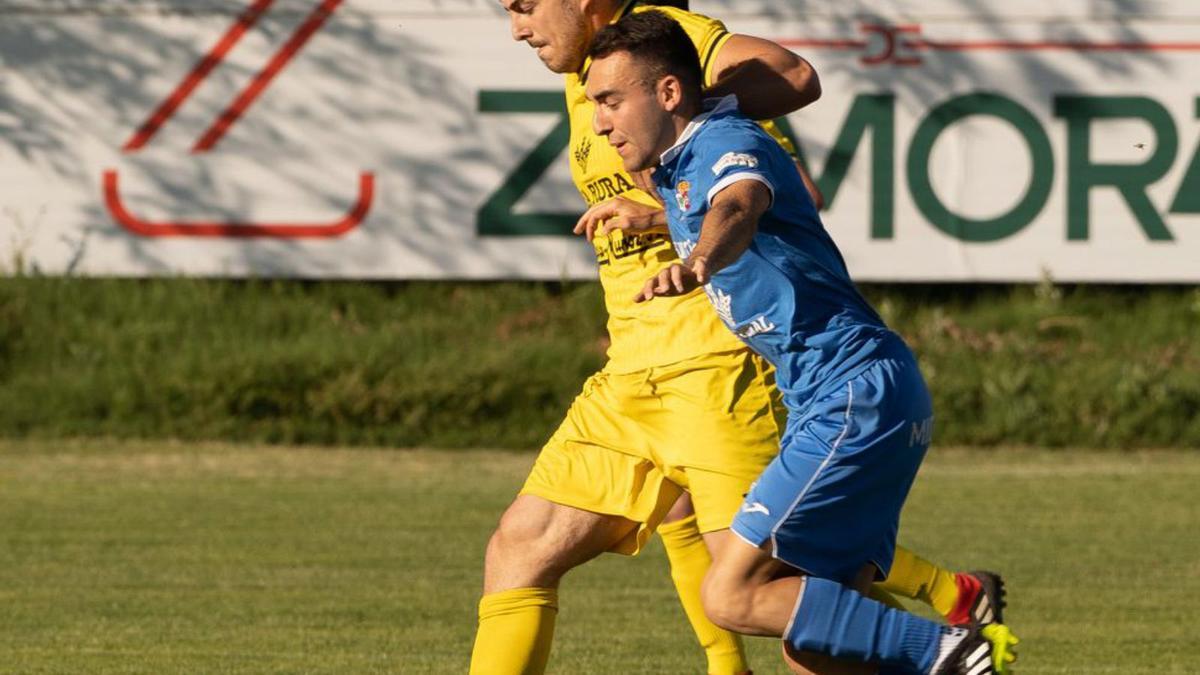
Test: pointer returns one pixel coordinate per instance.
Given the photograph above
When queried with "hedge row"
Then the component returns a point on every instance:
(462, 365)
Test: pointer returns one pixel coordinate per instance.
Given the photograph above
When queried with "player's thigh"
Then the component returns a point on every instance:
(717, 495)
(737, 563)
(717, 429)
(597, 462)
(600, 481)
(714, 411)
(538, 541)
(830, 502)
(745, 589)
(682, 508)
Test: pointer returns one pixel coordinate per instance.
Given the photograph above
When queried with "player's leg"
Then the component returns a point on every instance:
(756, 594)
(829, 628)
(964, 598)
(536, 543)
(581, 498)
(713, 421)
(829, 504)
(690, 560)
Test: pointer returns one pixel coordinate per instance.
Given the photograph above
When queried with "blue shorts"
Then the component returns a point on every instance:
(830, 502)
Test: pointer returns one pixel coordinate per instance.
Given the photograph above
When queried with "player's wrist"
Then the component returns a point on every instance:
(693, 263)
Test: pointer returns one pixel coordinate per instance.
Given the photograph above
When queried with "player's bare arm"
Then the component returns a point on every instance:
(770, 80)
(727, 231)
(809, 184)
(622, 214)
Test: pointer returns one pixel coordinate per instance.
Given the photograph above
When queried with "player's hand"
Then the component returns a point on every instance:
(622, 214)
(678, 279)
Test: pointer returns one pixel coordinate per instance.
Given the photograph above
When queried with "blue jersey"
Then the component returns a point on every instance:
(789, 296)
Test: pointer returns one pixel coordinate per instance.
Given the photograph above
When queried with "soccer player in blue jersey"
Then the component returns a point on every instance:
(820, 524)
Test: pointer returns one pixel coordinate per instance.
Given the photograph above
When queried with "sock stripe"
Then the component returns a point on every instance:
(982, 666)
(984, 611)
(796, 608)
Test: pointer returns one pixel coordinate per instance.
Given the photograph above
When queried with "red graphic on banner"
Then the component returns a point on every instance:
(898, 45)
(353, 218)
(221, 126)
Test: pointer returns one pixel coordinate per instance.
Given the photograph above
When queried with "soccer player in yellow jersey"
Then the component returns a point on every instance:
(682, 408)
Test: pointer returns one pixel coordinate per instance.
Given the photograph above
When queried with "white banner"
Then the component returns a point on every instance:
(414, 139)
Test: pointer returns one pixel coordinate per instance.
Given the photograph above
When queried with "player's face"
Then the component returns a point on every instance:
(556, 29)
(629, 111)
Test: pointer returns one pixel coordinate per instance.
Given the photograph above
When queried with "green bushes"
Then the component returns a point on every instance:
(1087, 366)
(459, 364)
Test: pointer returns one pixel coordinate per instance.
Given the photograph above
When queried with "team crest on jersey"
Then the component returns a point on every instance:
(734, 159)
(582, 152)
(681, 195)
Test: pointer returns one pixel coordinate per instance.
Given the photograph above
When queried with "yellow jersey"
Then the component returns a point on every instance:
(664, 330)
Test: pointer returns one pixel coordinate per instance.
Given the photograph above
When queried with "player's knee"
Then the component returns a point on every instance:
(682, 508)
(519, 540)
(536, 540)
(728, 603)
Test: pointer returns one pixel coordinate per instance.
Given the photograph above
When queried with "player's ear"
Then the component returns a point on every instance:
(670, 93)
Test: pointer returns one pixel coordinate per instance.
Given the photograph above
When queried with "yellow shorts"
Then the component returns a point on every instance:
(632, 442)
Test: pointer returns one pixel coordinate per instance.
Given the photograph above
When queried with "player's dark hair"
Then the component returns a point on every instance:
(677, 4)
(658, 44)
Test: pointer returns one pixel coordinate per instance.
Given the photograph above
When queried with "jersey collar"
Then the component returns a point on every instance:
(712, 107)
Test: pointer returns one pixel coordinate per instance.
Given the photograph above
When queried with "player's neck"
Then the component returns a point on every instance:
(603, 12)
(682, 117)
(672, 132)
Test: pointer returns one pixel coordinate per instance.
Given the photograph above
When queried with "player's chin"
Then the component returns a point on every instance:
(557, 62)
(634, 164)
(551, 64)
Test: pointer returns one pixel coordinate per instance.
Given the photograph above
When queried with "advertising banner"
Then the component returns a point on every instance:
(956, 140)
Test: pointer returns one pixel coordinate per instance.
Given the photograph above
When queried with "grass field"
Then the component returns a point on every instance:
(181, 558)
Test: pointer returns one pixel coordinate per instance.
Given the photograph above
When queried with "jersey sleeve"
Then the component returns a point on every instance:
(731, 157)
(708, 34)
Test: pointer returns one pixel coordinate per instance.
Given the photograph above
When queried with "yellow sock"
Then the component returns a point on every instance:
(915, 577)
(689, 561)
(879, 595)
(515, 631)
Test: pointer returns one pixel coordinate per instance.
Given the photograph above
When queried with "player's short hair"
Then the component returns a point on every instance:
(658, 43)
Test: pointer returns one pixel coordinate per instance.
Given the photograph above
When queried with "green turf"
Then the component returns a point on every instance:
(177, 558)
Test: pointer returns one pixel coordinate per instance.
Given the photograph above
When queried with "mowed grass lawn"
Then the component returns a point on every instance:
(181, 558)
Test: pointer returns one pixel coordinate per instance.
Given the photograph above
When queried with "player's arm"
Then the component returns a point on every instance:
(770, 80)
(726, 233)
(811, 185)
(620, 213)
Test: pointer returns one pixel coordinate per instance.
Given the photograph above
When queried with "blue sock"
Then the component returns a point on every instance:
(835, 620)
